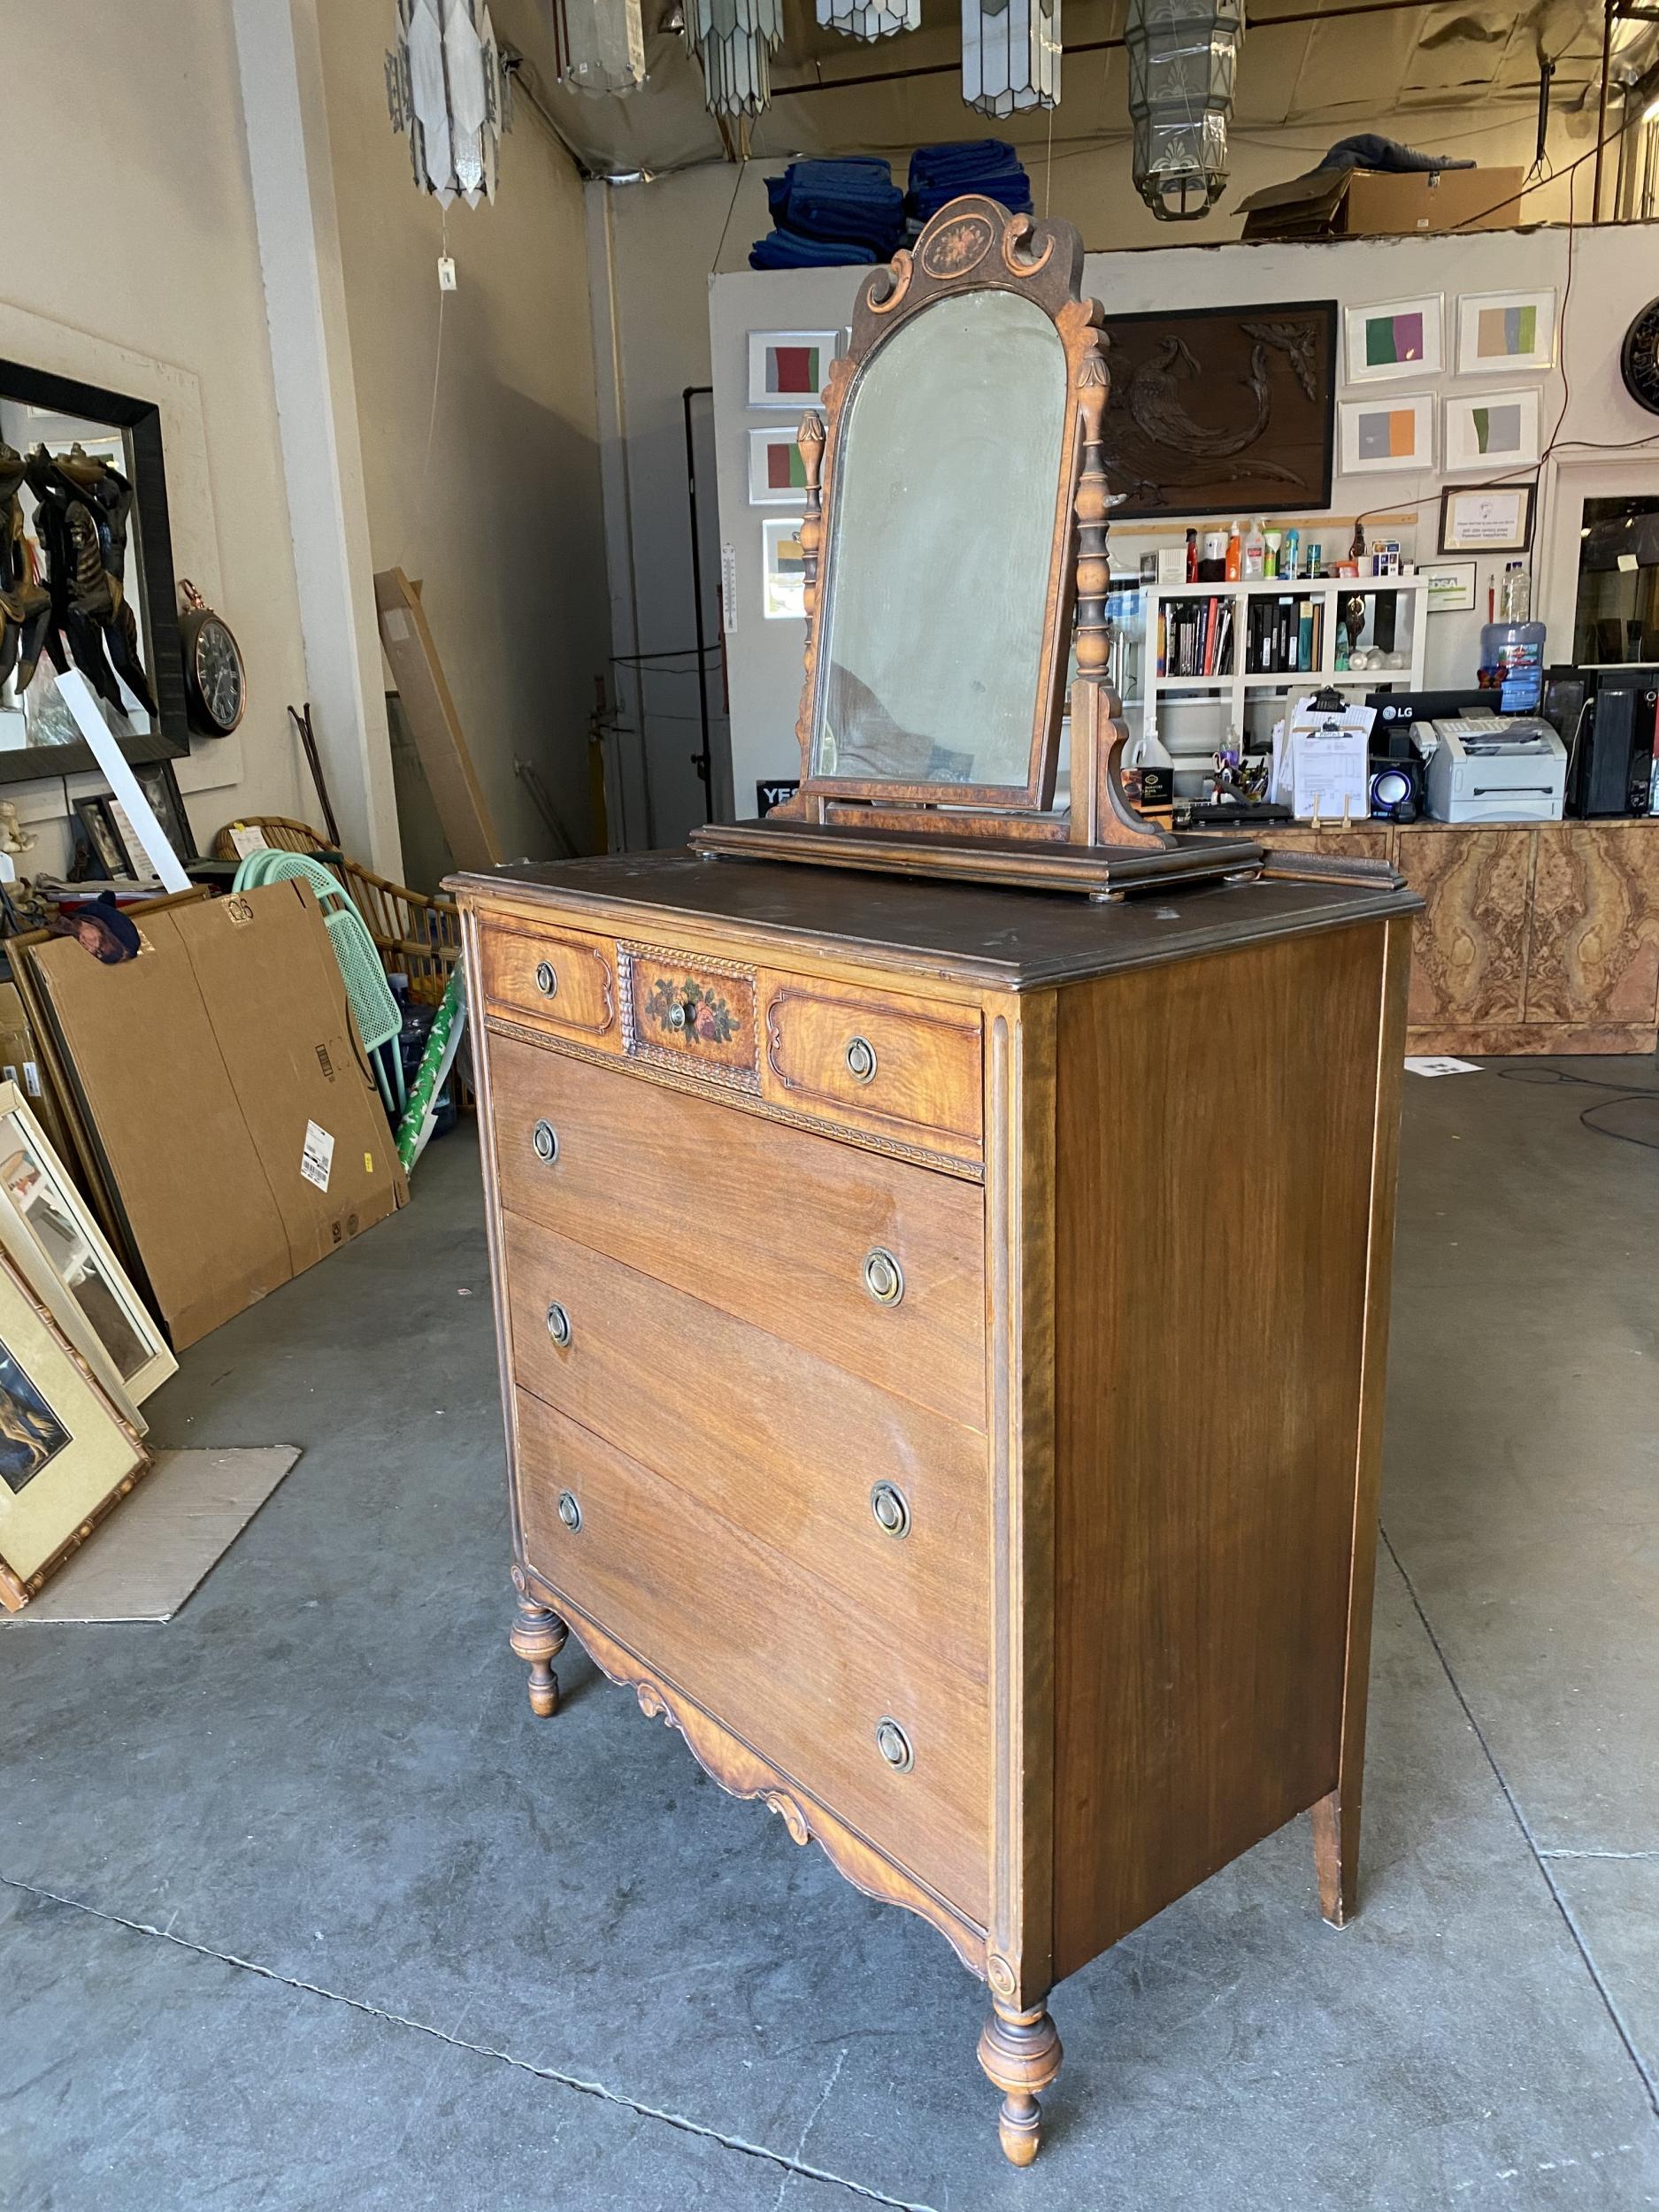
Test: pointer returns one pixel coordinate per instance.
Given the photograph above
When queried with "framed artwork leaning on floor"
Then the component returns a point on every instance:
(48, 1229)
(66, 1452)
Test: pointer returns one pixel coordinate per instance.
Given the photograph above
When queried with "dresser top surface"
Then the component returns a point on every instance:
(1014, 940)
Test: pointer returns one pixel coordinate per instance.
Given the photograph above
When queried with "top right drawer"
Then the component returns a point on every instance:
(906, 1069)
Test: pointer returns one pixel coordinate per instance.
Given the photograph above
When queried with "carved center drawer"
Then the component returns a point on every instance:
(690, 1012)
(888, 1283)
(904, 1068)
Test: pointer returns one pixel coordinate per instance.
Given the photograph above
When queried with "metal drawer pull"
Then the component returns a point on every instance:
(559, 1324)
(861, 1059)
(895, 1745)
(883, 1278)
(570, 1512)
(677, 1017)
(547, 978)
(545, 1138)
(892, 1514)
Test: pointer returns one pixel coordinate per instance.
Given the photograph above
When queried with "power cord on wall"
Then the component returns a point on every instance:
(1619, 1095)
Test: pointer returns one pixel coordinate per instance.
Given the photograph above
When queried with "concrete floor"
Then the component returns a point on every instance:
(302, 1908)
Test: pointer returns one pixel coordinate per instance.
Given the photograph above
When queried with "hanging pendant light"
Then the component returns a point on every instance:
(735, 41)
(1011, 55)
(870, 19)
(445, 87)
(600, 45)
(1182, 55)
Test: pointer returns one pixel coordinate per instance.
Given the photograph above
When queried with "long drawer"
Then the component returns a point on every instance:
(869, 1263)
(766, 1647)
(776, 1442)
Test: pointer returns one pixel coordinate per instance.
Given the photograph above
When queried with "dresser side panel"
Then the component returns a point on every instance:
(1020, 1121)
(1215, 1124)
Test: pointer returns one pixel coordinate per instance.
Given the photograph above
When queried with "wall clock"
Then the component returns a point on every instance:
(1638, 360)
(215, 678)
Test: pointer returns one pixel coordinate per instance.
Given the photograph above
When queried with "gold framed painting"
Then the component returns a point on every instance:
(67, 1453)
(51, 1234)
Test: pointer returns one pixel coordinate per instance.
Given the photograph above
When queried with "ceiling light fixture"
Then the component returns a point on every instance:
(1011, 55)
(735, 41)
(870, 19)
(1182, 55)
(600, 45)
(445, 87)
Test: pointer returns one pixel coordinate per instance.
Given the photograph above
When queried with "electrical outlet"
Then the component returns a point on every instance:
(446, 273)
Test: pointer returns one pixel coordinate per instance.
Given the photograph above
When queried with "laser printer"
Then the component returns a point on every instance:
(1493, 768)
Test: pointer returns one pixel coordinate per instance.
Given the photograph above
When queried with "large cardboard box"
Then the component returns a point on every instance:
(1382, 205)
(229, 1097)
(1377, 204)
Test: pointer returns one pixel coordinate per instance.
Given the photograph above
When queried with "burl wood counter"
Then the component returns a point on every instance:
(942, 1335)
(1534, 938)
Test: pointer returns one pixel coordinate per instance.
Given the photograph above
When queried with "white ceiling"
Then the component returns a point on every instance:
(1331, 74)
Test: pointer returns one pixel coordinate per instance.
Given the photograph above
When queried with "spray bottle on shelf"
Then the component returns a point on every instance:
(1236, 552)
(1255, 552)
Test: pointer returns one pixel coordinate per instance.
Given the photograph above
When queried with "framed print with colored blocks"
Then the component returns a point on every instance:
(1380, 434)
(790, 368)
(777, 474)
(1393, 339)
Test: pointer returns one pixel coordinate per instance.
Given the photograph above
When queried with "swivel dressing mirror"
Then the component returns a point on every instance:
(955, 553)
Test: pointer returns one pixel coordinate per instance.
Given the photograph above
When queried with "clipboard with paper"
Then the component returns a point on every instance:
(1322, 760)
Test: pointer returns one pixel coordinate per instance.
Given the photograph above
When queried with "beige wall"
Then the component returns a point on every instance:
(492, 499)
(135, 257)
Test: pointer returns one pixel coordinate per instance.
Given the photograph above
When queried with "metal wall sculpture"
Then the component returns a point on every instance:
(1221, 409)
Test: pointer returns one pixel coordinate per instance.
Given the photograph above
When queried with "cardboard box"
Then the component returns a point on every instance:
(221, 1076)
(1377, 204)
(1382, 205)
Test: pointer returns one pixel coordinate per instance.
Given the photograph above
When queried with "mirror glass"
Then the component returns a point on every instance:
(941, 535)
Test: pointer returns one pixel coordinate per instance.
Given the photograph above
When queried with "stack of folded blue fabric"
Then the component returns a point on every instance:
(827, 213)
(939, 173)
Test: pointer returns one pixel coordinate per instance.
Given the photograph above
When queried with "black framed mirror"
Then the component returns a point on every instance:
(85, 530)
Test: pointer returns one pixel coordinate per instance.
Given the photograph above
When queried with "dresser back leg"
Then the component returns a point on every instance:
(1336, 1853)
(538, 1636)
(1021, 2053)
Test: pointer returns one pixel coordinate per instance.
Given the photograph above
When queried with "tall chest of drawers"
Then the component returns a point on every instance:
(942, 1336)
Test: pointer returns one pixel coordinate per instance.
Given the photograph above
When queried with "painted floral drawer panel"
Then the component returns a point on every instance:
(690, 1012)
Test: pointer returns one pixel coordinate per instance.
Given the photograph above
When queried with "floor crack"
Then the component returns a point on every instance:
(481, 2050)
(1540, 1858)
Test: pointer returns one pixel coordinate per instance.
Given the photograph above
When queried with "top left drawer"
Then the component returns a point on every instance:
(557, 979)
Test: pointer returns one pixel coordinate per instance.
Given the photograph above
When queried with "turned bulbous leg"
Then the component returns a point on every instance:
(538, 1636)
(1021, 2053)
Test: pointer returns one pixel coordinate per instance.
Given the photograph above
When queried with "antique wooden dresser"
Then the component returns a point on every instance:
(941, 1250)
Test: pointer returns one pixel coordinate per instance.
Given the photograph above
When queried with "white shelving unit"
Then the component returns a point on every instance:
(1232, 691)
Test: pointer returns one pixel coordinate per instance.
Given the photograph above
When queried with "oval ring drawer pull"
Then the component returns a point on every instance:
(891, 1509)
(570, 1512)
(547, 980)
(893, 1745)
(861, 1059)
(559, 1324)
(883, 1278)
(545, 1138)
